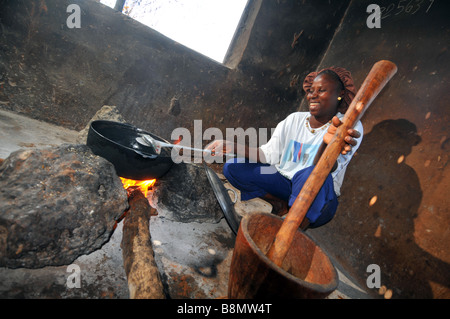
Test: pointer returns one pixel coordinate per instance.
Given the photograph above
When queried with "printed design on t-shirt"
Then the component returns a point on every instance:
(300, 153)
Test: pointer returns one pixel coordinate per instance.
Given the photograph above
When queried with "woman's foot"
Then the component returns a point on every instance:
(279, 207)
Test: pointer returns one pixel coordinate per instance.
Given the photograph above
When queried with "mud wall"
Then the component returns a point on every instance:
(394, 207)
(64, 75)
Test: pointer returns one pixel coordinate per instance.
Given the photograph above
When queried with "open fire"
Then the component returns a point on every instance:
(144, 185)
(131, 185)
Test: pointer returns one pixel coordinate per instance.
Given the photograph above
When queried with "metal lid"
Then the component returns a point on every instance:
(224, 199)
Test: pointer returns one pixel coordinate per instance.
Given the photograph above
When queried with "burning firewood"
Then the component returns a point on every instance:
(144, 281)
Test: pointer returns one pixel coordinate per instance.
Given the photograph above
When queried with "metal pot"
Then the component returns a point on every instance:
(116, 142)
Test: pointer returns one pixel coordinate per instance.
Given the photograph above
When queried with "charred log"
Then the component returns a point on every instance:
(144, 281)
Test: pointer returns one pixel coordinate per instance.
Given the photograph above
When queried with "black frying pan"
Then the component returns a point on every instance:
(116, 142)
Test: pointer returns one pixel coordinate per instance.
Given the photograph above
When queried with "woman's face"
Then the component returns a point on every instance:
(323, 98)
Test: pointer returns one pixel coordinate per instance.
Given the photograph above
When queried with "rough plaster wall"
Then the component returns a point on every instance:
(65, 76)
(394, 208)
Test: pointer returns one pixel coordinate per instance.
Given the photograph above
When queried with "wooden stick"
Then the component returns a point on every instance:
(144, 280)
(377, 78)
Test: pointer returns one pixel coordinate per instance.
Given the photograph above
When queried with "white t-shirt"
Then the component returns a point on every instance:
(294, 145)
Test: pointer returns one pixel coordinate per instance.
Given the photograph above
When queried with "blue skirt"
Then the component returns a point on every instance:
(256, 180)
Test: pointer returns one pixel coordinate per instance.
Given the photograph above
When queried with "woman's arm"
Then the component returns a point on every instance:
(220, 147)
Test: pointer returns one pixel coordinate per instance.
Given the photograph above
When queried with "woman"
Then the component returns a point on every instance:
(277, 170)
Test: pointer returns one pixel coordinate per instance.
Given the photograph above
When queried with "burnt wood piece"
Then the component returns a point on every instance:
(144, 281)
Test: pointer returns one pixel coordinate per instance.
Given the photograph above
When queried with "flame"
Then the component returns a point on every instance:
(143, 185)
(178, 141)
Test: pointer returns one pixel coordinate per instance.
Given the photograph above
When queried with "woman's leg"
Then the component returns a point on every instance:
(279, 206)
(257, 180)
(325, 204)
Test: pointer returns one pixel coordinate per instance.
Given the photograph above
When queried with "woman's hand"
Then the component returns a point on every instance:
(349, 138)
(220, 147)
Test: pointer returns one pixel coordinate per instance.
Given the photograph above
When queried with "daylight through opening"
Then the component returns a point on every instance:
(206, 26)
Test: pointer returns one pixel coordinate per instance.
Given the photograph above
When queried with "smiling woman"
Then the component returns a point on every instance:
(285, 162)
(206, 26)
